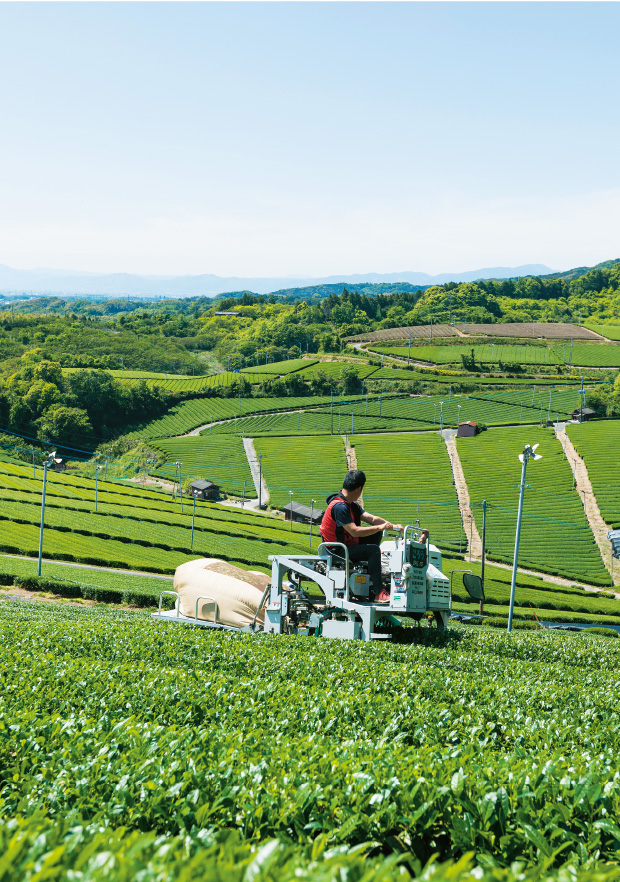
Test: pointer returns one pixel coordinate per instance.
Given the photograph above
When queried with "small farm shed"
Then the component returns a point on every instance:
(583, 414)
(59, 465)
(205, 489)
(467, 430)
(302, 513)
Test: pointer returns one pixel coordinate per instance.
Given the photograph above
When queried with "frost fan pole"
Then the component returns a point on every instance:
(528, 452)
(47, 463)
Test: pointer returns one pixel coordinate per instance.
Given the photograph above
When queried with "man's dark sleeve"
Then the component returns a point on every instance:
(341, 514)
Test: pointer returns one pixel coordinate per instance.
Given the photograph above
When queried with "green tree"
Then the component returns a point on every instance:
(66, 426)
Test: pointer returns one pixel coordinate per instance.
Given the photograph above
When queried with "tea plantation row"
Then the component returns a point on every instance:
(555, 538)
(115, 730)
(598, 445)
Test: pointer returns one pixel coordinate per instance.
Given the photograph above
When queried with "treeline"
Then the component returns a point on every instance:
(79, 341)
(170, 335)
(605, 398)
(75, 410)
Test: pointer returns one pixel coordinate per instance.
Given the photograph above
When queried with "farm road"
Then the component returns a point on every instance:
(462, 492)
(259, 479)
(583, 486)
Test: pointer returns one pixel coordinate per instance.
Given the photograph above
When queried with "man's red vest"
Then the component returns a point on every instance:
(328, 524)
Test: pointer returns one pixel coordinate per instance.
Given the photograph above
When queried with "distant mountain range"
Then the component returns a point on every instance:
(69, 283)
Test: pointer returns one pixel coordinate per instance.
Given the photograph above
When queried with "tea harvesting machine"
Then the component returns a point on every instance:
(345, 609)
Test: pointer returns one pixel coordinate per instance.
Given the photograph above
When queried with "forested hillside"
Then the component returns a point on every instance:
(271, 328)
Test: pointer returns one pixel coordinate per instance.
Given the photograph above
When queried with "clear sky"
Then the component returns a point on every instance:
(308, 138)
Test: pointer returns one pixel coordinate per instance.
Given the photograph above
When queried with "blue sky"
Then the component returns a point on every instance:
(308, 138)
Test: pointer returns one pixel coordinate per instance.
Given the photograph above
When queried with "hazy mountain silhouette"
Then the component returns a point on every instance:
(69, 282)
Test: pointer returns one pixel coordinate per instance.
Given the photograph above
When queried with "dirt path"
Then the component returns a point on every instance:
(462, 491)
(351, 456)
(584, 487)
(259, 480)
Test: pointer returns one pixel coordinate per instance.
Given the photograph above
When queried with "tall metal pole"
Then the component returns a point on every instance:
(180, 487)
(441, 426)
(518, 536)
(193, 516)
(484, 535)
(290, 493)
(332, 413)
(42, 517)
(260, 481)
(311, 519)
(527, 452)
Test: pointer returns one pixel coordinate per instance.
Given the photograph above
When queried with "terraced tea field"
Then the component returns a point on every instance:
(407, 476)
(485, 354)
(335, 368)
(184, 756)
(278, 368)
(598, 445)
(221, 460)
(554, 537)
(589, 354)
(534, 597)
(310, 467)
(181, 383)
(131, 529)
(348, 419)
(200, 411)
(610, 330)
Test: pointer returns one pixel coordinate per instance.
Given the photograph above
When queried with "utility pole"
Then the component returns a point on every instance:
(484, 534)
(260, 481)
(46, 464)
(290, 493)
(441, 427)
(96, 476)
(528, 452)
(193, 517)
(178, 465)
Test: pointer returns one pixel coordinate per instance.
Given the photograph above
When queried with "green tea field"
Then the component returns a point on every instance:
(310, 467)
(148, 751)
(554, 537)
(131, 528)
(409, 477)
(208, 457)
(598, 445)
